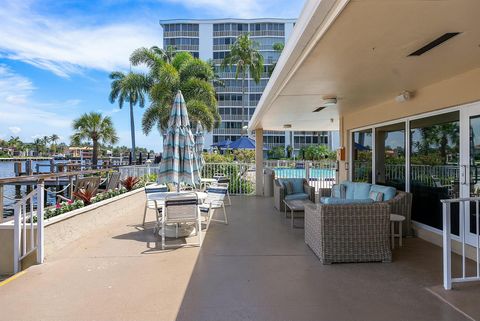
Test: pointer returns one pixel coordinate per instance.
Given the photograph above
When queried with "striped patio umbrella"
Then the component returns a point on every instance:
(179, 162)
(199, 142)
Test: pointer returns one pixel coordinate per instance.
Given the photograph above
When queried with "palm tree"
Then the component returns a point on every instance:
(248, 61)
(278, 47)
(95, 128)
(38, 144)
(15, 143)
(168, 75)
(129, 88)
(54, 139)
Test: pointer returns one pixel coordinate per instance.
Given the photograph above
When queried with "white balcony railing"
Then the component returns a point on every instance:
(229, 103)
(228, 89)
(267, 33)
(25, 241)
(228, 117)
(187, 47)
(228, 33)
(464, 205)
(173, 34)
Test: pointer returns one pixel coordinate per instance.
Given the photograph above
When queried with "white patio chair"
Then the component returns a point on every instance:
(150, 203)
(215, 200)
(181, 208)
(224, 181)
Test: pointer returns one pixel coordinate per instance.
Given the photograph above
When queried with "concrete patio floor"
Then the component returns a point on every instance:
(255, 268)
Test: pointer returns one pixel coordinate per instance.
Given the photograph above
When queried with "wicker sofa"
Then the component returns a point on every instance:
(349, 233)
(280, 193)
(354, 232)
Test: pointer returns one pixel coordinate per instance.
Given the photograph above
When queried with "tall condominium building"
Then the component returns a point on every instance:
(211, 40)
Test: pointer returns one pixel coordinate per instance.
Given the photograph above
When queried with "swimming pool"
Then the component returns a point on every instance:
(315, 173)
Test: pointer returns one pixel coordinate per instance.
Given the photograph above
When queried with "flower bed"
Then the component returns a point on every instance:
(68, 206)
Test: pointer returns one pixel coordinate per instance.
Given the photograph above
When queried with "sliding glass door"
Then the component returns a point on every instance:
(434, 167)
(469, 166)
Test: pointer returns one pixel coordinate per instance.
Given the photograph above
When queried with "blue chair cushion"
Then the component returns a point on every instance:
(388, 191)
(297, 196)
(350, 189)
(297, 184)
(341, 201)
(288, 188)
(362, 191)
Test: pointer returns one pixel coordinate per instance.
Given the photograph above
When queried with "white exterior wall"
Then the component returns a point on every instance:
(205, 50)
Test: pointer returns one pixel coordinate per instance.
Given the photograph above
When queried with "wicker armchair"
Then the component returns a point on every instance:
(349, 233)
(279, 194)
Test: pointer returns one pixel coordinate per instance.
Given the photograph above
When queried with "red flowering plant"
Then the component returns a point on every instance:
(129, 182)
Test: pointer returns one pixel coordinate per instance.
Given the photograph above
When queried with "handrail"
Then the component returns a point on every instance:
(38, 177)
(464, 210)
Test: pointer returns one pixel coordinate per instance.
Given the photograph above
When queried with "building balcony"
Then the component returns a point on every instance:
(228, 33)
(228, 103)
(187, 47)
(267, 33)
(228, 89)
(221, 47)
(175, 34)
(227, 131)
(234, 117)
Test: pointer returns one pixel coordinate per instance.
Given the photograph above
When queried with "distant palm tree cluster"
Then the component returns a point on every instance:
(40, 146)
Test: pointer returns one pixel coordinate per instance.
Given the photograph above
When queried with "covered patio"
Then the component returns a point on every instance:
(399, 80)
(255, 268)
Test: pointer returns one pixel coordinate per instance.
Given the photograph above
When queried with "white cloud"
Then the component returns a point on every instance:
(14, 129)
(244, 8)
(228, 8)
(19, 114)
(64, 47)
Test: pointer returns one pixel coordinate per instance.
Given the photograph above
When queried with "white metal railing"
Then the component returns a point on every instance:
(464, 209)
(241, 175)
(139, 170)
(228, 33)
(234, 117)
(228, 103)
(264, 33)
(319, 174)
(25, 241)
(169, 34)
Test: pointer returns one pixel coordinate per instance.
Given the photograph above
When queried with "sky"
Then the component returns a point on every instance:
(56, 55)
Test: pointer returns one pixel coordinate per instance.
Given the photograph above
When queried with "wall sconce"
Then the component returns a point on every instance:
(346, 166)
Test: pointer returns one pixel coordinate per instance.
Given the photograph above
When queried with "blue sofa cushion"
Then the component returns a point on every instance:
(339, 191)
(350, 189)
(296, 196)
(388, 191)
(340, 201)
(362, 191)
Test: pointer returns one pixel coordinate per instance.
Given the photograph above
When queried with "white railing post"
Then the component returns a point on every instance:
(40, 227)
(447, 254)
(16, 238)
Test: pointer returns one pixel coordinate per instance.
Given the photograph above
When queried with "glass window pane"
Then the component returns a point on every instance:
(434, 167)
(362, 156)
(390, 155)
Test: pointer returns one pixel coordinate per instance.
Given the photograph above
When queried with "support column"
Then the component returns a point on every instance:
(259, 161)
